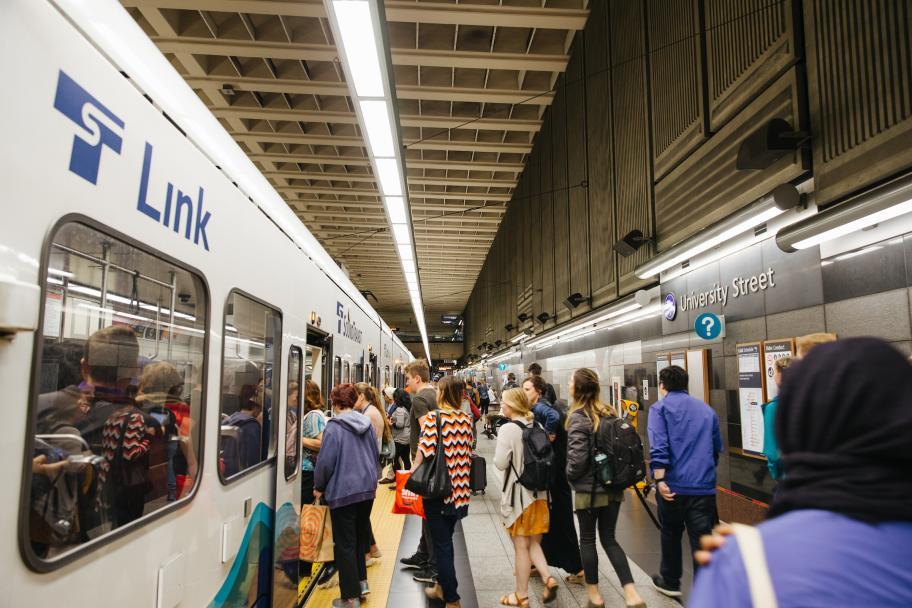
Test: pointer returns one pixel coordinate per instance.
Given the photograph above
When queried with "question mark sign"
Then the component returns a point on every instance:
(708, 323)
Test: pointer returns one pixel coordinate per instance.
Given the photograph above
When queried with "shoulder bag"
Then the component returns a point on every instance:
(431, 480)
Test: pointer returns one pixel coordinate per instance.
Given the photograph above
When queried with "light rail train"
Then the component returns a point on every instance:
(150, 276)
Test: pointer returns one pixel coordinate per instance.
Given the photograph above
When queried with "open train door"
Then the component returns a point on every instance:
(287, 500)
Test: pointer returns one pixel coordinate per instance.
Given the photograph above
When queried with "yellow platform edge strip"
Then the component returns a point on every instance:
(387, 532)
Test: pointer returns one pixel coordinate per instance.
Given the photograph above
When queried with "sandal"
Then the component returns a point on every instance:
(551, 589)
(514, 599)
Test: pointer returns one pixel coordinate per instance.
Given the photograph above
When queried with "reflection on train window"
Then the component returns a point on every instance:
(359, 372)
(386, 376)
(337, 371)
(293, 413)
(117, 419)
(252, 332)
(346, 372)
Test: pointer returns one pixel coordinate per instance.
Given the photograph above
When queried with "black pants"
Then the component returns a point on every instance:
(442, 525)
(351, 536)
(698, 515)
(401, 460)
(603, 519)
(426, 546)
(127, 504)
(485, 404)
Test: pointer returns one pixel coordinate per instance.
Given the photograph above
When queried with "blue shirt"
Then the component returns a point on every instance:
(770, 445)
(314, 423)
(817, 558)
(684, 439)
(546, 416)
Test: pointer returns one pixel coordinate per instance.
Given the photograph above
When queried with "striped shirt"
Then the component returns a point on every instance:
(457, 438)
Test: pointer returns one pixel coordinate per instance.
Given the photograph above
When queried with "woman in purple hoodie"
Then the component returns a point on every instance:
(346, 478)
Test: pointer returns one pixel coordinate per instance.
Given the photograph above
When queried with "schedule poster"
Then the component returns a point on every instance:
(750, 393)
(772, 350)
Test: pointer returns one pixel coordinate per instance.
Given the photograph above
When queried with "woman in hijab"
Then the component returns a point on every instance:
(840, 528)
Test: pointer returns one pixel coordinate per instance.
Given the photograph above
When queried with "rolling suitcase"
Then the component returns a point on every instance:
(478, 478)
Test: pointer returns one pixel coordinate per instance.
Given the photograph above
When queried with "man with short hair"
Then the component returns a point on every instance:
(684, 447)
(424, 400)
(549, 395)
(511, 382)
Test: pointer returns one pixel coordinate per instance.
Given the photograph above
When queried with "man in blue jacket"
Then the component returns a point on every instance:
(684, 447)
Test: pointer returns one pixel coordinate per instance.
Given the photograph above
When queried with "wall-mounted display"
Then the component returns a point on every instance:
(750, 396)
(772, 350)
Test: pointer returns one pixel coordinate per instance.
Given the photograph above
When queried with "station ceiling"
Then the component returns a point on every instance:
(473, 80)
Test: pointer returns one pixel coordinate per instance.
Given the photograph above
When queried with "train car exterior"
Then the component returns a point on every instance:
(117, 220)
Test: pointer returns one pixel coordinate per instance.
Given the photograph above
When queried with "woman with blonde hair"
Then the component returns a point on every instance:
(443, 513)
(596, 507)
(524, 512)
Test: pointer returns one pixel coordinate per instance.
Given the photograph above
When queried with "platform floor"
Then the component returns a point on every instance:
(484, 556)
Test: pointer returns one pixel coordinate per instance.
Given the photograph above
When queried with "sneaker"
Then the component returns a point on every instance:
(376, 553)
(340, 603)
(387, 480)
(365, 589)
(415, 562)
(425, 575)
(371, 561)
(665, 587)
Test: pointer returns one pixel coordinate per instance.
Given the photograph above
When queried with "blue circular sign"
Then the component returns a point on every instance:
(708, 326)
(670, 307)
(503, 367)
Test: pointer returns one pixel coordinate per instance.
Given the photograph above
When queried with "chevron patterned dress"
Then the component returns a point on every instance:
(457, 435)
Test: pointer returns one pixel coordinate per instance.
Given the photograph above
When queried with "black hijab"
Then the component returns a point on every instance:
(844, 424)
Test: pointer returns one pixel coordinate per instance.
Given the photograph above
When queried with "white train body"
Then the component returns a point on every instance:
(184, 556)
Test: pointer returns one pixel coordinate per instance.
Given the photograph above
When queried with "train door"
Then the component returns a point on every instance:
(318, 361)
(374, 373)
(287, 485)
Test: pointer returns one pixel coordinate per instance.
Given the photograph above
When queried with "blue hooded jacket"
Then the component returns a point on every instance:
(684, 439)
(346, 469)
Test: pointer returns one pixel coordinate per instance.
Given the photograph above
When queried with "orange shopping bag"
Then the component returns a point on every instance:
(407, 502)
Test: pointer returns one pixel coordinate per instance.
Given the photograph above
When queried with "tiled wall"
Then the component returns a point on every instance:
(850, 295)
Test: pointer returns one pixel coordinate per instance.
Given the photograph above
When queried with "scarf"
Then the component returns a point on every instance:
(844, 424)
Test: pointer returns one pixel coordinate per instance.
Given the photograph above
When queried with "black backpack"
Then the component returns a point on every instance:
(538, 458)
(617, 454)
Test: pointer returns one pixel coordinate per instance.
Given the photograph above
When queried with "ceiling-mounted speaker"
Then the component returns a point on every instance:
(769, 143)
(630, 242)
(543, 317)
(522, 317)
(574, 300)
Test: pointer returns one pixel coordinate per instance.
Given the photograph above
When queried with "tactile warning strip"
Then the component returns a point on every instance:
(387, 532)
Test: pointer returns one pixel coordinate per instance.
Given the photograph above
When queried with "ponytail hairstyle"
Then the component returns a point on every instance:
(586, 391)
(449, 393)
(372, 395)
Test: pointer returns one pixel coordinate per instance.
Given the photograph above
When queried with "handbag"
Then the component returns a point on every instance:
(406, 503)
(431, 480)
(316, 534)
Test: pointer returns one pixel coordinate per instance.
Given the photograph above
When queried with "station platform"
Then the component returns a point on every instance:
(484, 556)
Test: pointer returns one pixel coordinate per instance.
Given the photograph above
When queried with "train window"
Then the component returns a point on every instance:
(346, 372)
(252, 333)
(359, 373)
(293, 413)
(337, 371)
(119, 392)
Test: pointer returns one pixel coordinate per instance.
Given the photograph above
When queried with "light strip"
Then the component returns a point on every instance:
(119, 37)
(358, 28)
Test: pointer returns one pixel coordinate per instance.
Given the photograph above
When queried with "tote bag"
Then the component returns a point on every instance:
(407, 502)
(316, 534)
(431, 480)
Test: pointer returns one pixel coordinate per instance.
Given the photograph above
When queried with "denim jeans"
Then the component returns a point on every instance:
(442, 524)
(603, 519)
(351, 537)
(172, 476)
(698, 515)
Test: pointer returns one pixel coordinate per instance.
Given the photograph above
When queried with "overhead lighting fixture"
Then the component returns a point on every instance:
(518, 338)
(358, 27)
(778, 201)
(881, 204)
(630, 243)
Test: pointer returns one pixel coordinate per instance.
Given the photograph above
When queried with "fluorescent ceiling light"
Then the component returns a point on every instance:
(375, 113)
(518, 338)
(60, 273)
(359, 42)
(401, 234)
(405, 253)
(859, 224)
(411, 277)
(395, 207)
(388, 176)
(698, 246)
